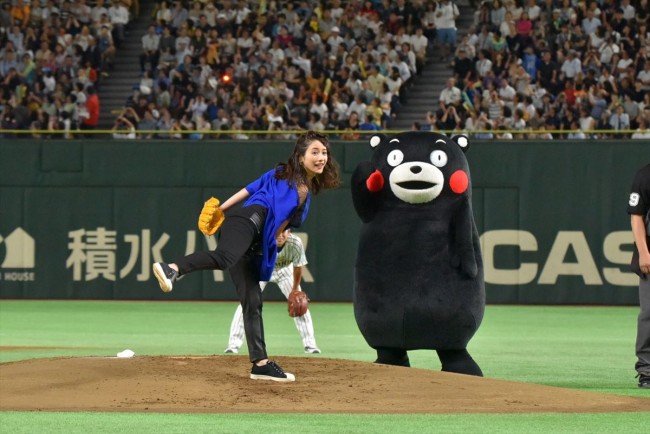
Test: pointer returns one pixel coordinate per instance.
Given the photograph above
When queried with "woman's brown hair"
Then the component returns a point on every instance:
(293, 169)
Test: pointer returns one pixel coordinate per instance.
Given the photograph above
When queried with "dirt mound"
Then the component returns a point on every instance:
(220, 384)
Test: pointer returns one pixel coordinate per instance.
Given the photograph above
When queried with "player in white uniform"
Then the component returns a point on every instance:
(287, 274)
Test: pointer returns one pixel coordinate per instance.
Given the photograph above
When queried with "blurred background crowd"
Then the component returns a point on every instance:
(546, 69)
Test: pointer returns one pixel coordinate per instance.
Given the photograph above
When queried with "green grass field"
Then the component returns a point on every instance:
(586, 348)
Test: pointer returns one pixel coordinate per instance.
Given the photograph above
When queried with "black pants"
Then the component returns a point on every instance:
(238, 251)
(643, 328)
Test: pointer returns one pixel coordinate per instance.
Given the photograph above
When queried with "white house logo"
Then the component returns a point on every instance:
(19, 250)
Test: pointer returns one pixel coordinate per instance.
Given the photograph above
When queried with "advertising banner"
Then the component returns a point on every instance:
(86, 220)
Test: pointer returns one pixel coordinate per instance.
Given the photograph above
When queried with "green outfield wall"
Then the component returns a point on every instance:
(86, 219)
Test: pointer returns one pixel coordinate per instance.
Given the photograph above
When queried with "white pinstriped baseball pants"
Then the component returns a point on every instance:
(284, 279)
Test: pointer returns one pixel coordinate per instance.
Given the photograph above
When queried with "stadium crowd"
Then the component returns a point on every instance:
(563, 69)
(578, 67)
(53, 54)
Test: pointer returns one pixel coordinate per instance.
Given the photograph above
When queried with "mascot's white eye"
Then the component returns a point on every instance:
(396, 157)
(439, 158)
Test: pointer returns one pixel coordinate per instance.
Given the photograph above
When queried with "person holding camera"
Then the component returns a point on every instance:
(124, 128)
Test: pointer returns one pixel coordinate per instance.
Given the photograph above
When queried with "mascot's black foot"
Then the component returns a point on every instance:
(459, 361)
(389, 356)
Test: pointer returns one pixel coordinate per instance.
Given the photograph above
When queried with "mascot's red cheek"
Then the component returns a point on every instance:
(458, 182)
(375, 181)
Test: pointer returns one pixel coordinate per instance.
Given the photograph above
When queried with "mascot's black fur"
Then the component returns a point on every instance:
(419, 272)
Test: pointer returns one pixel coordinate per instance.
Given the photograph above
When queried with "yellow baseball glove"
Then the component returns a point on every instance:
(211, 217)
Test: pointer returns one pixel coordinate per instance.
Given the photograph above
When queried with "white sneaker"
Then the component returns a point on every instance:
(312, 350)
(231, 350)
(166, 276)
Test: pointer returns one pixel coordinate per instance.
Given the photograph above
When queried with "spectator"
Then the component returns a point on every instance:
(150, 54)
(463, 66)
(201, 125)
(497, 14)
(164, 122)
(334, 39)
(597, 38)
(376, 112)
(643, 76)
(572, 66)
(103, 21)
(107, 50)
(8, 63)
(591, 62)
(375, 80)
(506, 92)
(445, 24)
(449, 119)
(146, 125)
(358, 106)
(82, 12)
(607, 50)
(404, 69)
(92, 108)
(603, 125)
(97, 11)
(368, 124)
(643, 132)
(16, 37)
(533, 10)
(178, 16)
(518, 121)
(596, 98)
(20, 13)
(450, 95)
(123, 128)
(475, 121)
(495, 107)
(483, 64)
(351, 127)
(618, 22)
(5, 15)
(119, 16)
(591, 22)
(619, 120)
(319, 107)
(508, 31)
(195, 12)
(524, 29)
(486, 133)
(576, 133)
(585, 121)
(163, 14)
(338, 106)
(419, 43)
(407, 56)
(530, 62)
(314, 122)
(625, 66)
(630, 106)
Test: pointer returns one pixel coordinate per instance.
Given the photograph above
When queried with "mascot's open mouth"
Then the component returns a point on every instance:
(416, 185)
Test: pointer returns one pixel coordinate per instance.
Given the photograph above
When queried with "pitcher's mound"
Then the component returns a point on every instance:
(220, 384)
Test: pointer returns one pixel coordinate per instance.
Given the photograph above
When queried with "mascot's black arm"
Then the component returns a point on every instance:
(365, 202)
(462, 244)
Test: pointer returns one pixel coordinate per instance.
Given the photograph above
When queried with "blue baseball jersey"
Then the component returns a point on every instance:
(280, 198)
